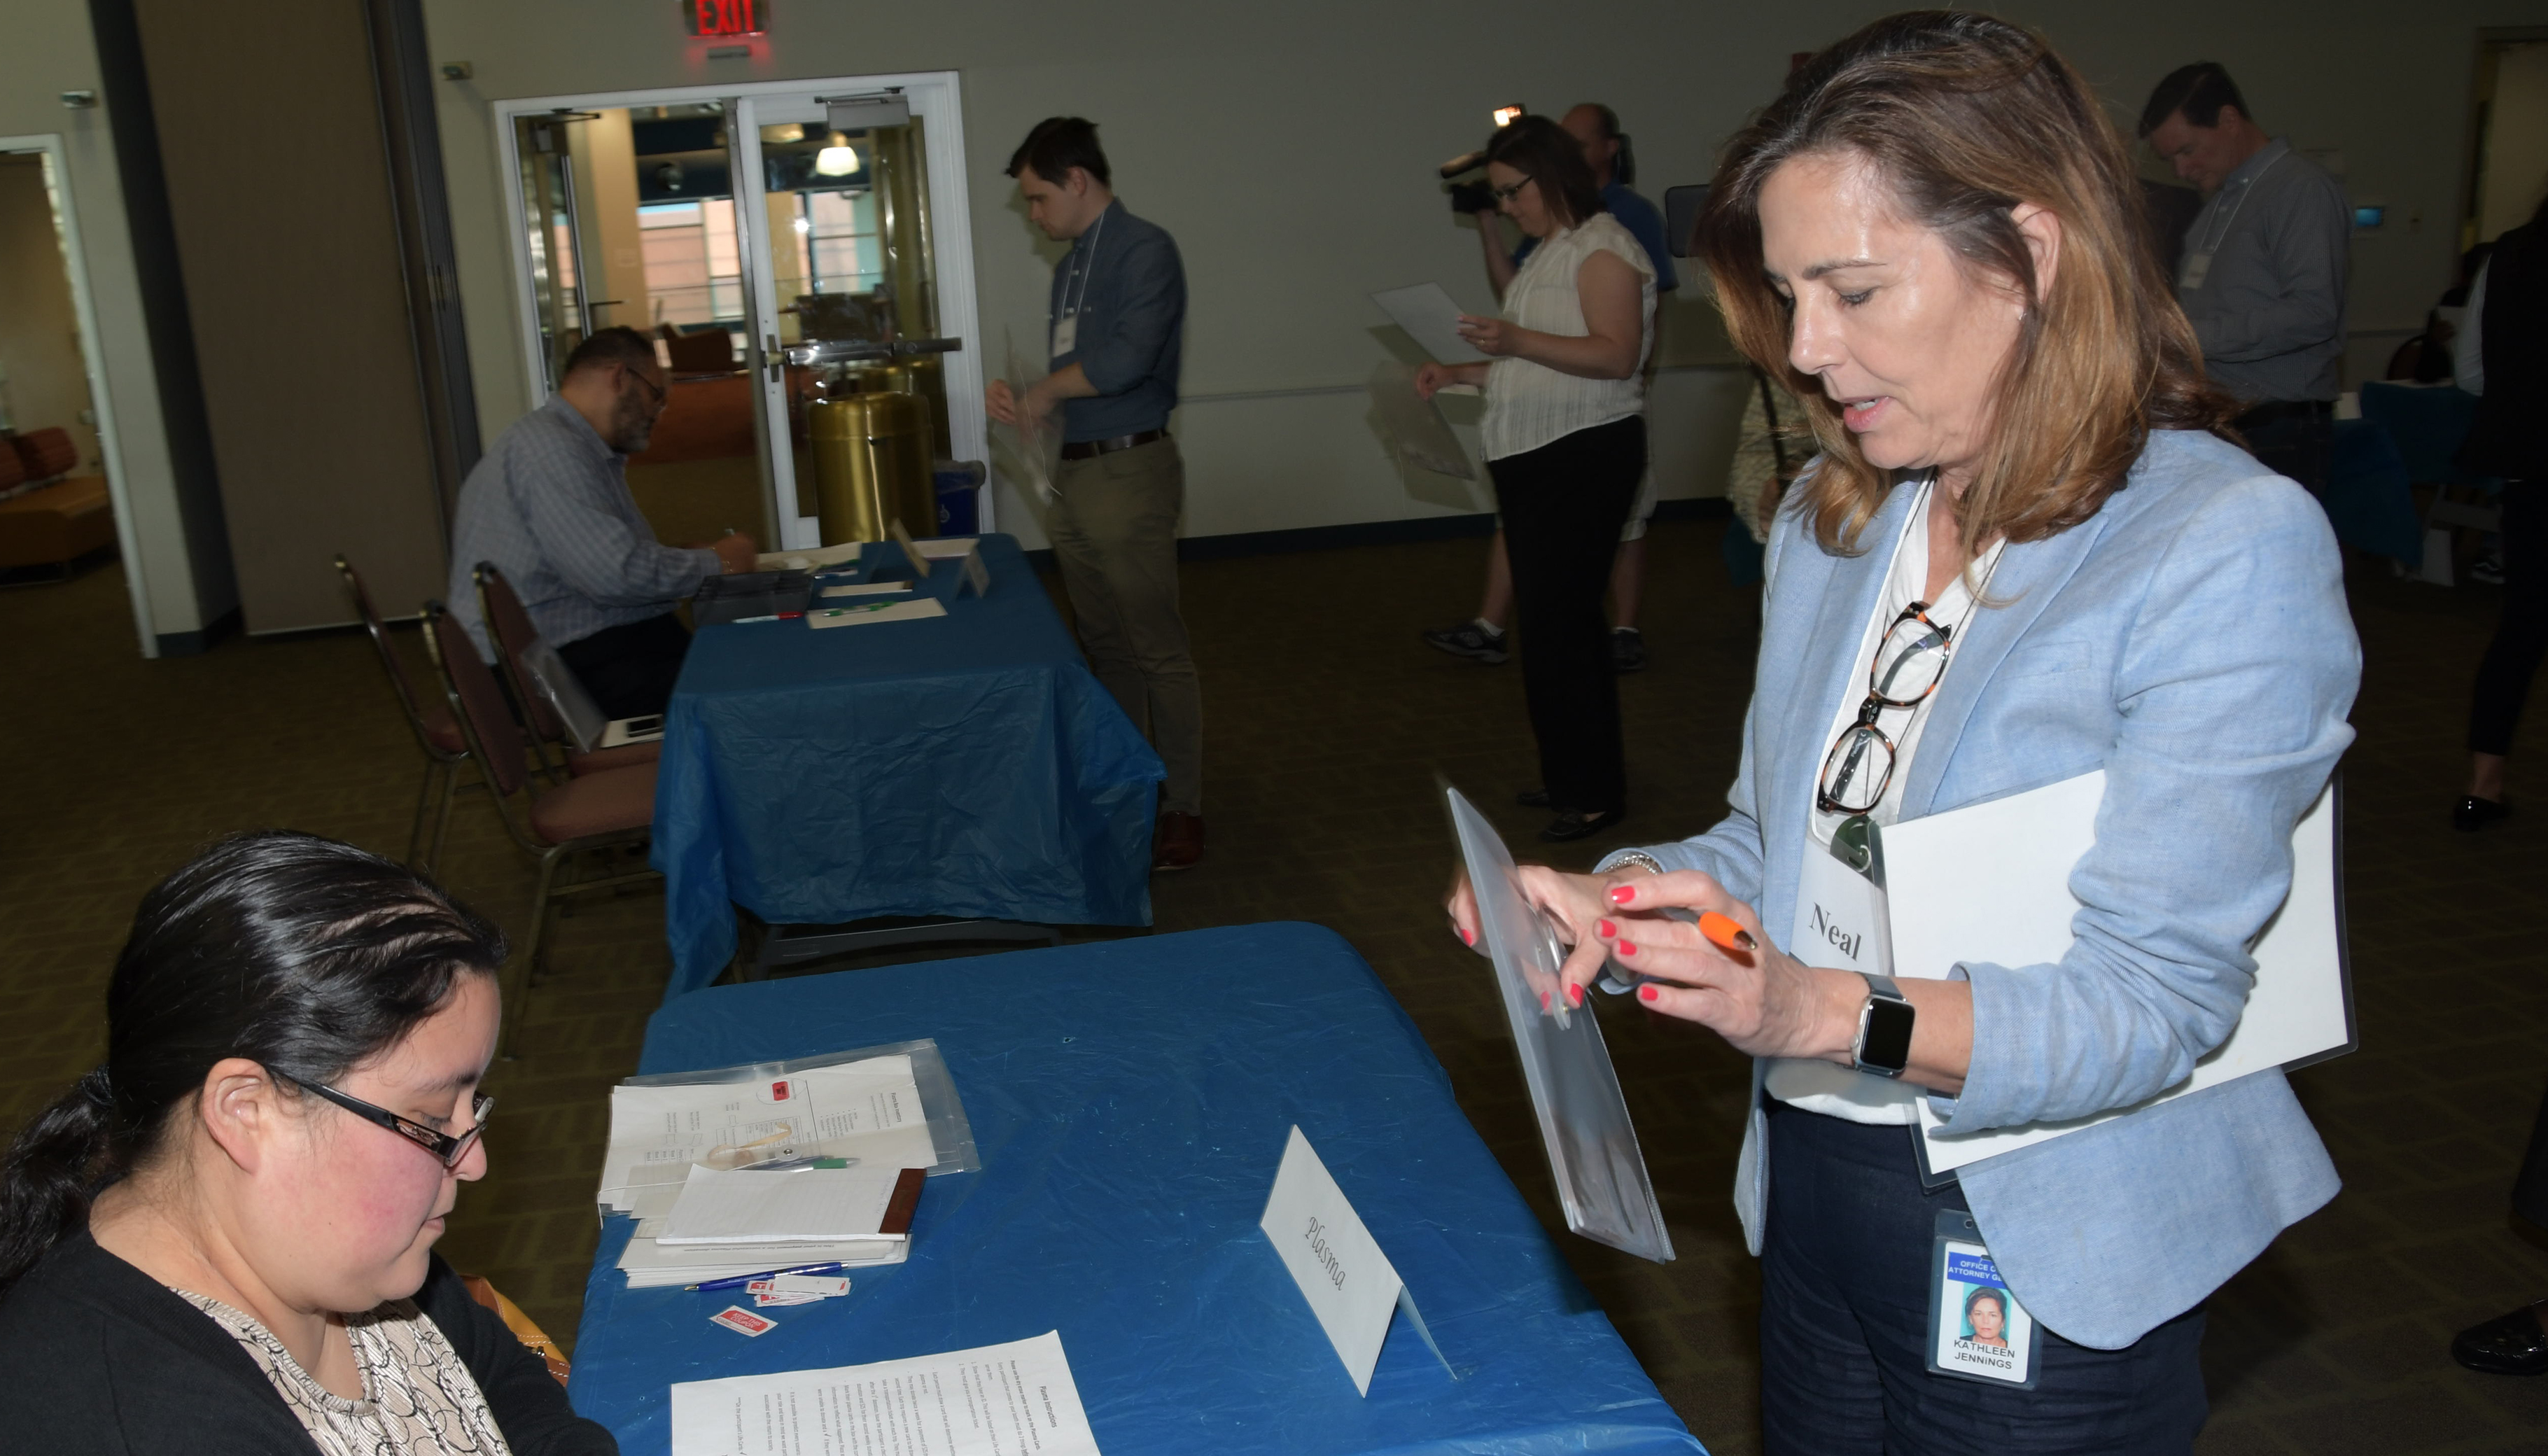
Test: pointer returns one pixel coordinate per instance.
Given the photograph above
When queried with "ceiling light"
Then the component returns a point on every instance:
(837, 161)
(804, 225)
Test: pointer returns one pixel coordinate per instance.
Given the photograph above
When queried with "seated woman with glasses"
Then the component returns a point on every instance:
(221, 1240)
(1565, 438)
(2026, 553)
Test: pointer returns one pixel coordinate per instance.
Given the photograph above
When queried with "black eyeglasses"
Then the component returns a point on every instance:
(1507, 194)
(1910, 660)
(442, 1145)
(654, 391)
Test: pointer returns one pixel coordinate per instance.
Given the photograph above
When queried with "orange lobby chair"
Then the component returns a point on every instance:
(606, 809)
(509, 630)
(437, 732)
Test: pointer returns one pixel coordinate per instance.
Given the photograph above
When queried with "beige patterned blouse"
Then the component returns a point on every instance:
(419, 1400)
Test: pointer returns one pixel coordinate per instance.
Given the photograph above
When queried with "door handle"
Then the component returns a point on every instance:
(771, 359)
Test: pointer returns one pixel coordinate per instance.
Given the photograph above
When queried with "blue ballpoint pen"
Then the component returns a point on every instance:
(740, 1280)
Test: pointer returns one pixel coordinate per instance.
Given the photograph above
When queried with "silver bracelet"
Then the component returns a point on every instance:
(1634, 856)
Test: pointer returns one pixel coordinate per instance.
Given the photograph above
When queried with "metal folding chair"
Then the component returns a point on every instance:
(509, 630)
(437, 732)
(610, 808)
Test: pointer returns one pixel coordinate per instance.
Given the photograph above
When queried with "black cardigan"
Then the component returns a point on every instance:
(97, 1356)
(2506, 440)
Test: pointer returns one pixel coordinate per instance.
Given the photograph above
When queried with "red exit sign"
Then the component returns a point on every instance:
(727, 17)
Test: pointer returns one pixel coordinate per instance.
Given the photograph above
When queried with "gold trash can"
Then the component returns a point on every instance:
(871, 466)
(923, 375)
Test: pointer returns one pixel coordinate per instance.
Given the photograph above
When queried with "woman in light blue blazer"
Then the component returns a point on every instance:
(2026, 553)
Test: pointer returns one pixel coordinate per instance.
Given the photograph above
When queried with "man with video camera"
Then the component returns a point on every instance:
(1613, 163)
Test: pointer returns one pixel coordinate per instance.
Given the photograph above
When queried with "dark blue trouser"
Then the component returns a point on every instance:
(1845, 1308)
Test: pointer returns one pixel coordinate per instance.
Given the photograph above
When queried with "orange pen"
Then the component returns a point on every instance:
(1725, 934)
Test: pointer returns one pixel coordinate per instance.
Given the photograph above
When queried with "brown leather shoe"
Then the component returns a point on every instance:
(1178, 842)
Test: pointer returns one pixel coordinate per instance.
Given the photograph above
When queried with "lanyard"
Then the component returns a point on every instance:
(1082, 269)
(2218, 232)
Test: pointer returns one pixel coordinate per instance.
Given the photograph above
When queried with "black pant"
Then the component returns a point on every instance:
(2293, 439)
(2530, 1185)
(2522, 634)
(1564, 505)
(1845, 1312)
(630, 670)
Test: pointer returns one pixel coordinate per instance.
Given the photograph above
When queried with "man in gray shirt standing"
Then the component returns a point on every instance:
(1119, 312)
(2261, 276)
(549, 506)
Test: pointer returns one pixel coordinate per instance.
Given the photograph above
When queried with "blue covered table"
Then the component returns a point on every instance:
(1129, 1101)
(965, 766)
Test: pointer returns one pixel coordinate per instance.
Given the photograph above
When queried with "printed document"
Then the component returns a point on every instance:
(1011, 1400)
(865, 1110)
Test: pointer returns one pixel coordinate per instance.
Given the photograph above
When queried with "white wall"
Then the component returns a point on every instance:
(2516, 152)
(49, 51)
(39, 346)
(1291, 151)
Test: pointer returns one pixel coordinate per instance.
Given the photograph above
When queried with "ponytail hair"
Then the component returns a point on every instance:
(305, 956)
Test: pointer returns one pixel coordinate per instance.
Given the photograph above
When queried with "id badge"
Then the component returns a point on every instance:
(1841, 919)
(2197, 266)
(1978, 1330)
(1065, 334)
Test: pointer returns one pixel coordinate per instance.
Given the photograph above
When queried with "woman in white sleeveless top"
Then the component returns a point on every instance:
(1564, 437)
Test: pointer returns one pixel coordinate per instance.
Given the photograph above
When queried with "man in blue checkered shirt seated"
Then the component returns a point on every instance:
(549, 506)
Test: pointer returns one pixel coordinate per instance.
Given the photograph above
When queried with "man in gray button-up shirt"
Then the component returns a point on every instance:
(549, 506)
(2261, 276)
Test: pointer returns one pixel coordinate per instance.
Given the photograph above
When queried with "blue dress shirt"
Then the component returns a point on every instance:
(1124, 289)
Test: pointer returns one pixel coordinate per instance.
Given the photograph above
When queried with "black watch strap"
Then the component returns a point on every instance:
(1883, 1044)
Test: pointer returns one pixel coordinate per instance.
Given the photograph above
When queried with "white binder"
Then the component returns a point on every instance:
(1992, 883)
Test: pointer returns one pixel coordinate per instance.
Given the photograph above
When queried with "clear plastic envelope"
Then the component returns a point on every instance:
(1583, 1118)
(1417, 428)
(1025, 447)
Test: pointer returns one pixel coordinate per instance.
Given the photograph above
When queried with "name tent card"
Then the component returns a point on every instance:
(1350, 1285)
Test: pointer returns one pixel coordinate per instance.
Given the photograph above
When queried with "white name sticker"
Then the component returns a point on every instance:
(1350, 1285)
(1840, 917)
(2197, 266)
(1065, 334)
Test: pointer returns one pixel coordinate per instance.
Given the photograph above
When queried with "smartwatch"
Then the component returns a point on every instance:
(1883, 1044)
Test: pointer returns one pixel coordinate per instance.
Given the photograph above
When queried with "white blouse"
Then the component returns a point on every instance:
(418, 1398)
(1828, 1087)
(1530, 404)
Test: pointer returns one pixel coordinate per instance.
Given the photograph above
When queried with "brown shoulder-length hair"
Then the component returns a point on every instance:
(1548, 155)
(1966, 117)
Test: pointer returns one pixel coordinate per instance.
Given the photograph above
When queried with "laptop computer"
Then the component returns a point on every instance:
(553, 680)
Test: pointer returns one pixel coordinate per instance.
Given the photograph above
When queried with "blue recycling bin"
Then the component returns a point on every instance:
(959, 509)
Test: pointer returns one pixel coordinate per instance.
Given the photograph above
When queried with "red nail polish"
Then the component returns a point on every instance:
(1543, 1000)
(1606, 930)
(1622, 895)
(1574, 995)
(1627, 949)
(1649, 993)
(1467, 937)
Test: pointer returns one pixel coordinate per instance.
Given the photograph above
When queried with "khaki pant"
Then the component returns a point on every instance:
(1114, 531)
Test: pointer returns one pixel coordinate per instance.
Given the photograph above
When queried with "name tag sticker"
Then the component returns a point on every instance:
(1065, 334)
(2197, 266)
(1350, 1285)
(1841, 919)
(1978, 1328)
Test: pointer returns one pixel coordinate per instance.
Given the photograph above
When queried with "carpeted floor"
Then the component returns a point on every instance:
(1327, 724)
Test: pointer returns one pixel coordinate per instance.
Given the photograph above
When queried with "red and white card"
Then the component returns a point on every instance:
(742, 1320)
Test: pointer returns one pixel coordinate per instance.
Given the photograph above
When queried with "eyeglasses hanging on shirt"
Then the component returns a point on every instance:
(1065, 329)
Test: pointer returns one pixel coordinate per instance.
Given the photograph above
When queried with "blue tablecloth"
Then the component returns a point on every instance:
(1131, 1100)
(968, 765)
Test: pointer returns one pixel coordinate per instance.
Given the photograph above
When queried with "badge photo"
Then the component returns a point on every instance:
(1978, 1328)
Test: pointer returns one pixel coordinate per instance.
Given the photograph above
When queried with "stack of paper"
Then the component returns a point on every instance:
(726, 1225)
(865, 1109)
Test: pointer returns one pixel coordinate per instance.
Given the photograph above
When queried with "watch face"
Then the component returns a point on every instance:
(1889, 1035)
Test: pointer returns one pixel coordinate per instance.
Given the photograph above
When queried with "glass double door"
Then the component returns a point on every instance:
(732, 230)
